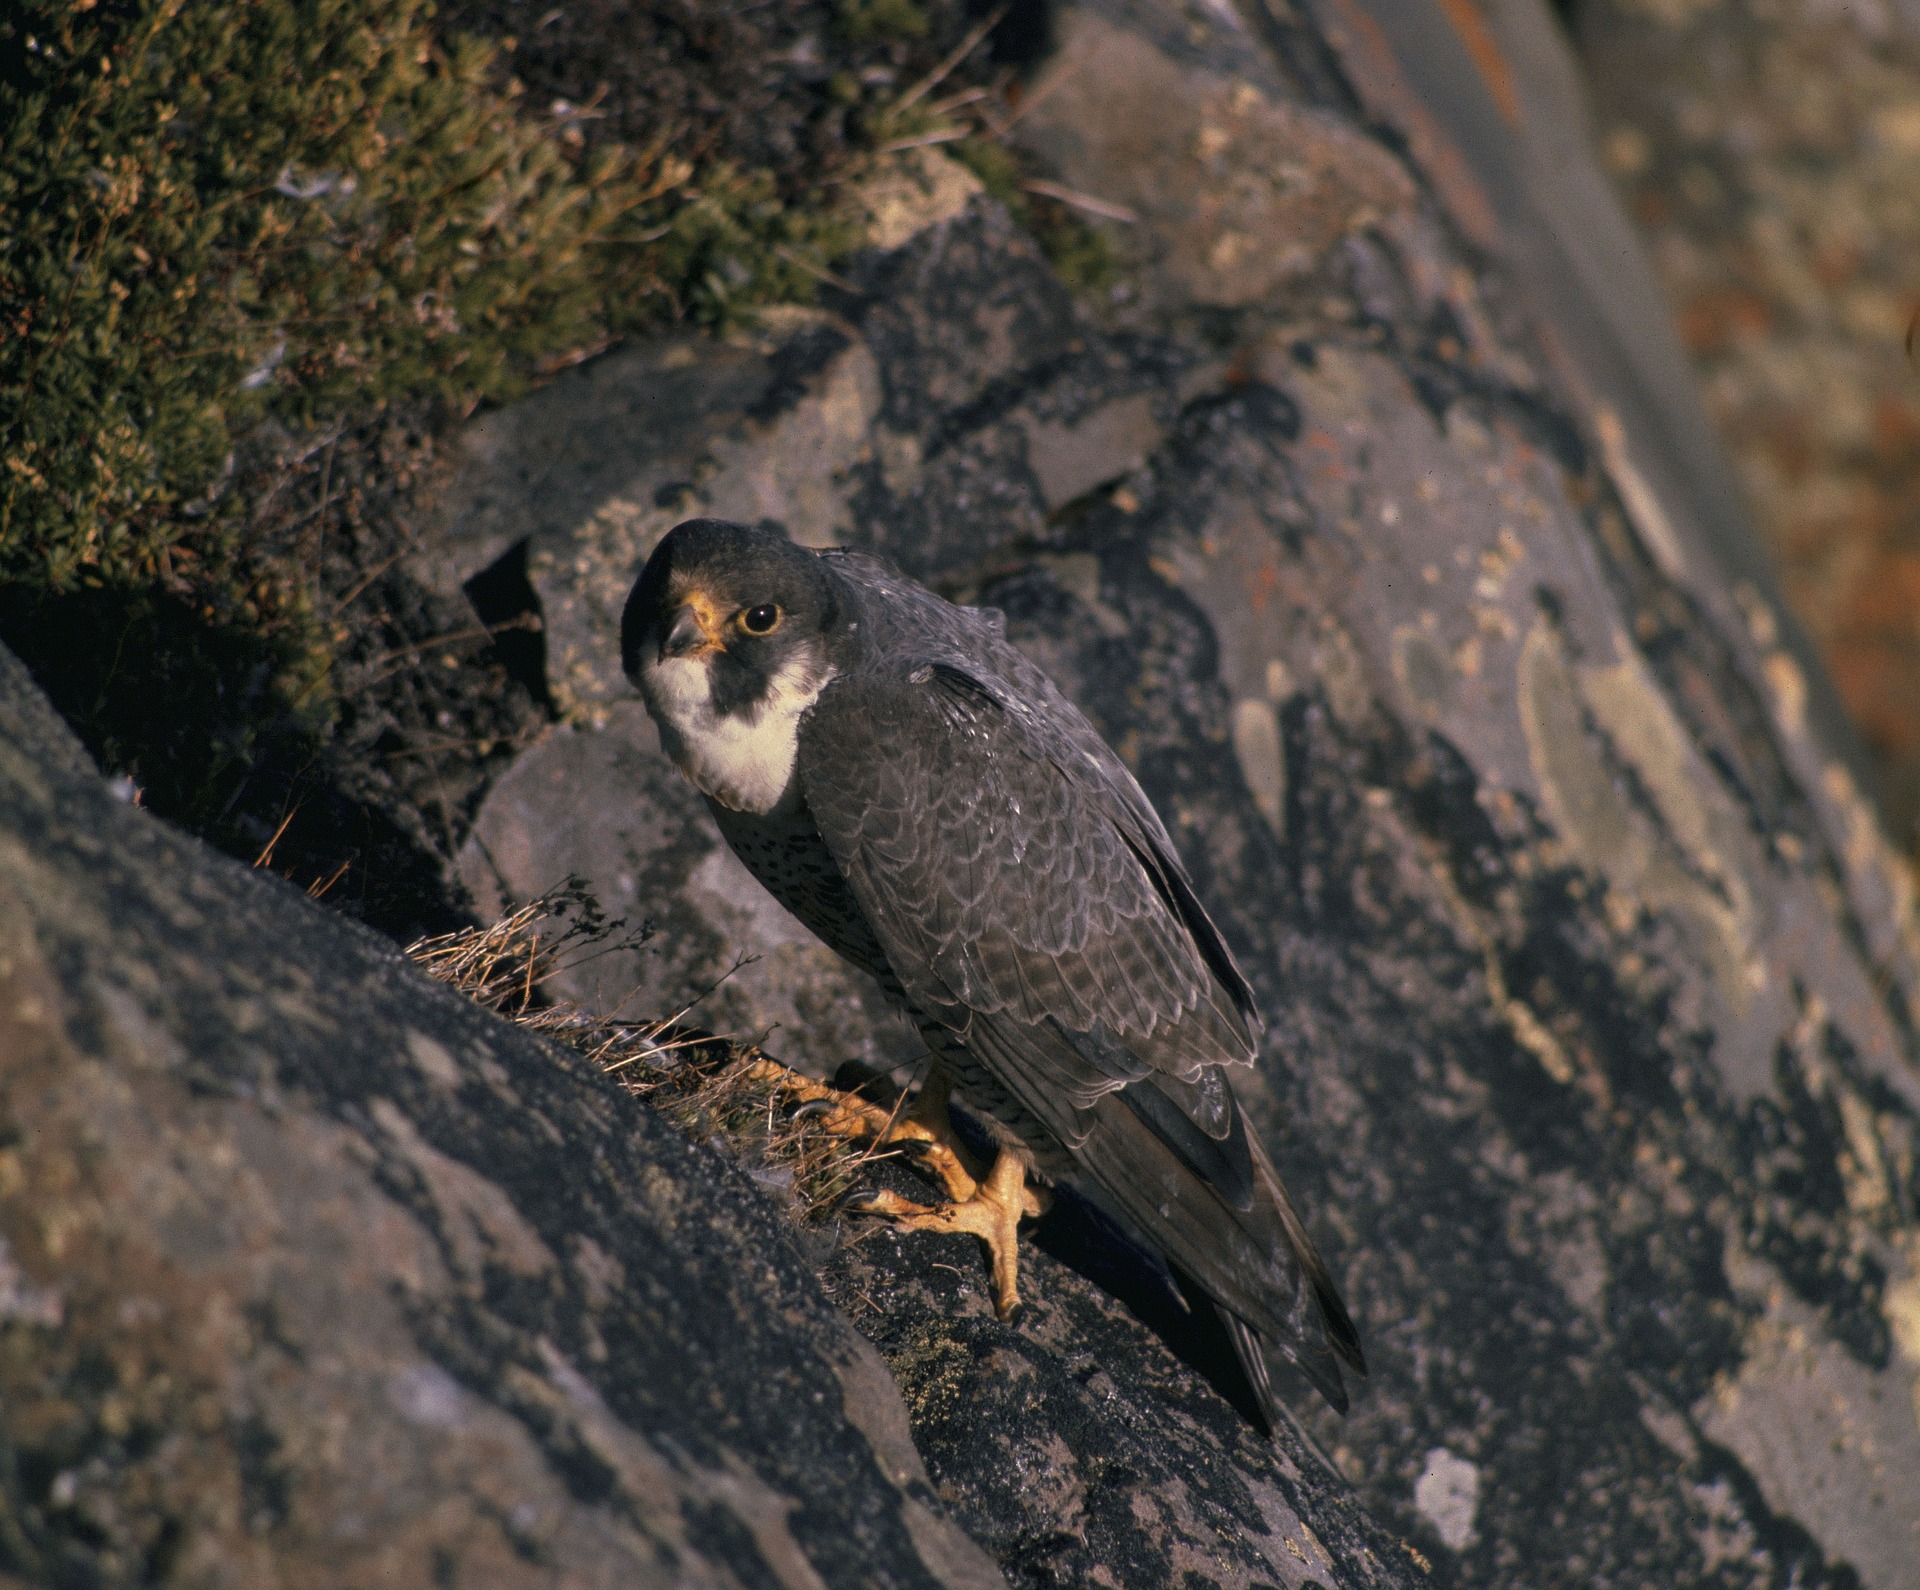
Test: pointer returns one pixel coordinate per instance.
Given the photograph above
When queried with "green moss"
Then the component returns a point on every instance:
(231, 223)
(880, 21)
(998, 168)
(299, 209)
(733, 244)
(226, 211)
(1080, 255)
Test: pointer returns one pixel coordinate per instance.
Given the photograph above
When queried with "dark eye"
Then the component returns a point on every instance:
(761, 620)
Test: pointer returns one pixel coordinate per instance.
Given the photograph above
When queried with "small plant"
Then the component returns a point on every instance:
(777, 1122)
(1080, 256)
(303, 209)
(882, 21)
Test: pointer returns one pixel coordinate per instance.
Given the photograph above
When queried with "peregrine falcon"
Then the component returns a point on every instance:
(919, 794)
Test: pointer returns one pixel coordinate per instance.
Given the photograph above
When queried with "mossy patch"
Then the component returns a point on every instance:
(250, 243)
(1079, 255)
(224, 212)
(864, 20)
(240, 232)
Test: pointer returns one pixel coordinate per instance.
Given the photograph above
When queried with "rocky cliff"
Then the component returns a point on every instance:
(1384, 551)
(1589, 975)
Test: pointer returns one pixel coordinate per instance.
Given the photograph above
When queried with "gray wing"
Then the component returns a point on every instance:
(1023, 901)
(1004, 881)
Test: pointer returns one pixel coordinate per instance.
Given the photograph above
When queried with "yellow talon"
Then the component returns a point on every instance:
(993, 1214)
(990, 1207)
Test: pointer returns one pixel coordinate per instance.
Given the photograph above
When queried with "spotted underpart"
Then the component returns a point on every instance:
(785, 852)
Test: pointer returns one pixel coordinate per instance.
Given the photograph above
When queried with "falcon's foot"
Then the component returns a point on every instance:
(924, 1130)
(993, 1214)
(990, 1206)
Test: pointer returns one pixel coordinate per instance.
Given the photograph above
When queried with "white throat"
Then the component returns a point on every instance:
(743, 761)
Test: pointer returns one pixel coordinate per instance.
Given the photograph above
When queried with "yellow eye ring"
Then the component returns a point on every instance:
(761, 620)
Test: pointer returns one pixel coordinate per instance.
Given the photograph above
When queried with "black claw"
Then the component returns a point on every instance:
(860, 1201)
(811, 1107)
(1014, 1315)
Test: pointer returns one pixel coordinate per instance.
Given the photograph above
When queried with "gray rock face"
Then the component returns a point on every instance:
(1076, 1447)
(608, 806)
(1591, 1048)
(311, 1272)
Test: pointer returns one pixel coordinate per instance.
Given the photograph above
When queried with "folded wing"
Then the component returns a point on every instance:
(1028, 900)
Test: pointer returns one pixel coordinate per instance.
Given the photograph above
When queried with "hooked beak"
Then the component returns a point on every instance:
(687, 636)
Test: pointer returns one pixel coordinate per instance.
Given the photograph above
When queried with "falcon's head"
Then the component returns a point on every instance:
(726, 637)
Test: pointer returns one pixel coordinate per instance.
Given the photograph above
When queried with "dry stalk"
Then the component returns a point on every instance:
(711, 1086)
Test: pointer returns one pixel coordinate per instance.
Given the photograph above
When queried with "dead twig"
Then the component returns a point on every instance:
(266, 855)
(456, 637)
(1082, 201)
(959, 101)
(819, 272)
(940, 135)
(318, 890)
(360, 588)
(949, 61)
(1029, 103)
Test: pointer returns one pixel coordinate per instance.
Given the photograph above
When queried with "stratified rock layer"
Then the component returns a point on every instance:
(1367, 535)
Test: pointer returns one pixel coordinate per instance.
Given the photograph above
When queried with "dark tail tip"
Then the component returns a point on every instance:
(1342, 1334)
(1318, 1367)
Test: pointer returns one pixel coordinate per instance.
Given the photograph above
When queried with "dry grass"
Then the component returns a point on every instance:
(773, 1120)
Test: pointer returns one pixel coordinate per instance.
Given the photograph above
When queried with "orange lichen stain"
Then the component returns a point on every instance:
(1712, 322)
(1873, 676)
(1474, 33)
(1836, 264)
(1896, 428)
(1889, 603)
